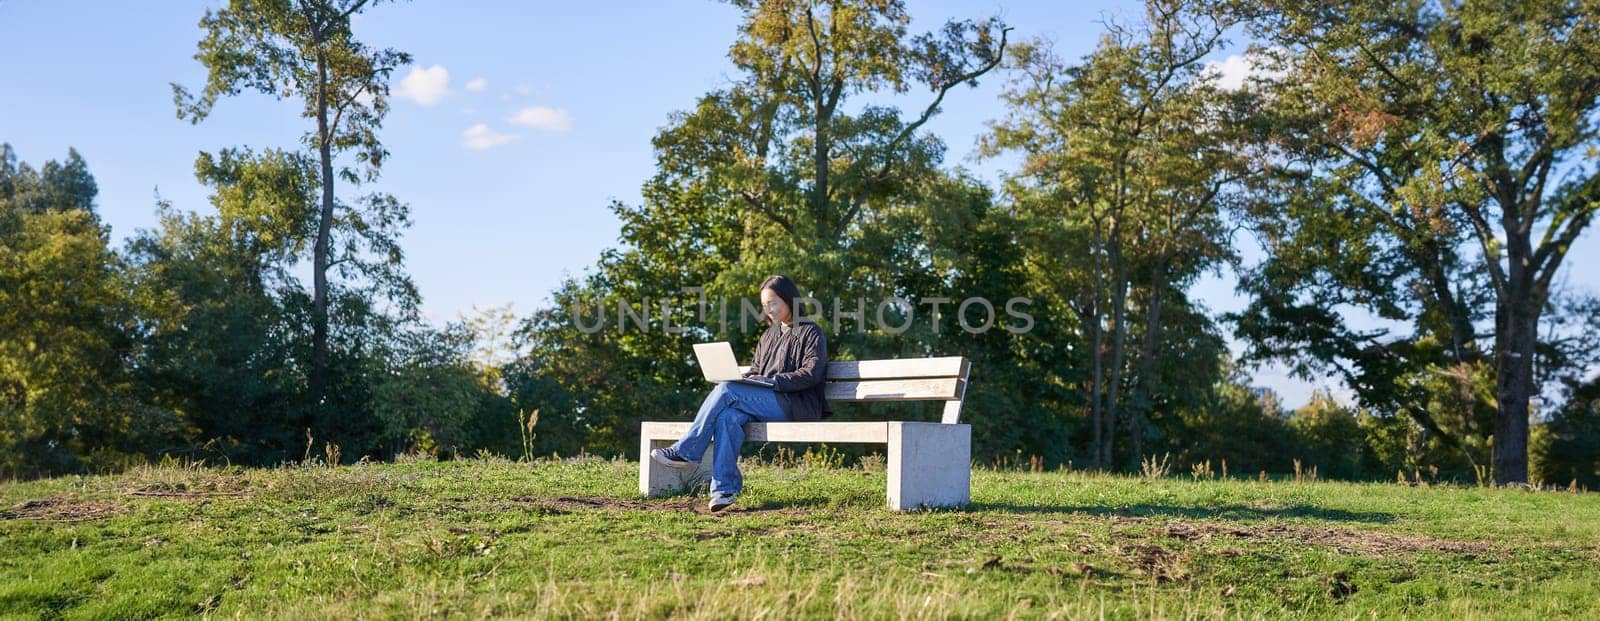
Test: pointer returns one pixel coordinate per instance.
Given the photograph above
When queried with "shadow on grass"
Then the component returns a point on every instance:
(1221, 512)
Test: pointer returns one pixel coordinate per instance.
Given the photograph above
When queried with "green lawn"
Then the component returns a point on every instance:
(572, 539)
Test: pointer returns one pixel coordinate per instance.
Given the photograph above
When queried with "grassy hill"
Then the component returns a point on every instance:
(572, 539)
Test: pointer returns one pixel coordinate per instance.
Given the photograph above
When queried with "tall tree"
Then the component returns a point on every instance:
(305, 49)
(797, 167)
(1127, 149)
(794, 146)
(1454, 137)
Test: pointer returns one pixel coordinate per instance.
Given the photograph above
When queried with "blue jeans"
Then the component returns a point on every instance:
(722, 417)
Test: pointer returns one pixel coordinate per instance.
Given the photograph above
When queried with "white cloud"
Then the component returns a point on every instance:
(477, 85)
(1231, 73)
(426, 86)
(542, 117)
(525, 89)
(480, 137)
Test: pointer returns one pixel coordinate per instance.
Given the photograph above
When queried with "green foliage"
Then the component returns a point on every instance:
(219, 340)
(300, 49)
(1420, 167)
(1570, 451)
(1424, 162)
(1231, 424)
(430, 391)
(66, 399)
(1123, 187)
(305, 49)
(1329, 436)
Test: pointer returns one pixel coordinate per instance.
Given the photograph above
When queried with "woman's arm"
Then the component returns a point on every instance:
(812, 369)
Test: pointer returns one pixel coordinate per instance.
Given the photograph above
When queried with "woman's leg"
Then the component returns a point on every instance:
(749, 403)
(693, 444)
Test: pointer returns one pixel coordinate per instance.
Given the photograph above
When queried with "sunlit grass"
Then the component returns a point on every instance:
(573, 539)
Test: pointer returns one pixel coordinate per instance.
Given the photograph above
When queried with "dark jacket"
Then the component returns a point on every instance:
(797, 364)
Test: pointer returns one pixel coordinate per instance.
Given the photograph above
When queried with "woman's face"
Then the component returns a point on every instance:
(774, 307)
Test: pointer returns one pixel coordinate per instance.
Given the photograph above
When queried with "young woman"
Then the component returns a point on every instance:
(793, 357)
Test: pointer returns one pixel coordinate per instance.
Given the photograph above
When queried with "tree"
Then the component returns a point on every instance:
(305, 49)
(1449, 141)
(66, 400)
(216, 298)
(791, 169)
(781, 151)
(431, 393)
(223, 335)
(1126, 154)
(1233, 424)
(1572, 450)
(1329, 436)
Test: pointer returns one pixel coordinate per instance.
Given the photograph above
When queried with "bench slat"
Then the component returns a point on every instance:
(908, 368)
(852, 432)
(895, 390)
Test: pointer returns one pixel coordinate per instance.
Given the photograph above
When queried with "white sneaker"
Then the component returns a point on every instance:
(722, 501)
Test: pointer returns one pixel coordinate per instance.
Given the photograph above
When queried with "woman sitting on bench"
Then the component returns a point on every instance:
(793, 357)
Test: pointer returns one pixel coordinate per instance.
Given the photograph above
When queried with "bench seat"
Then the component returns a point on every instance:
(876, 432)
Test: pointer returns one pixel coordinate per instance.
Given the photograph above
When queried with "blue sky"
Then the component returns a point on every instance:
(523, 122)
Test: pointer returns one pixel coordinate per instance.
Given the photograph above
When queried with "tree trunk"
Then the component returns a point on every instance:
(319, 253)
(1097, 353)
(821, 160)
(1516, 322)
(1119, 340)
(1519, 299)
(1147, 355)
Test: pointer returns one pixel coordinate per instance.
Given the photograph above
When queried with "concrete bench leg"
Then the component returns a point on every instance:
(658, 480)
(930, 465)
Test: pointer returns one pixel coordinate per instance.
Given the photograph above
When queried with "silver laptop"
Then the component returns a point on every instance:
(719, 365)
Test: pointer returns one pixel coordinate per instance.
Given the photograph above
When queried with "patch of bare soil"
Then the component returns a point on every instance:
(178, 494)
(190, 489)
(1342, 539)
(61, 509)
(1160, 564)
(996, 532)
(571, 504)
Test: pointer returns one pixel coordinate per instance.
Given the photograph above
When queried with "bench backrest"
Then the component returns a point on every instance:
(905, 379)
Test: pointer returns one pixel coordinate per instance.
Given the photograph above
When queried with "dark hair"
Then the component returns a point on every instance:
(786, 291)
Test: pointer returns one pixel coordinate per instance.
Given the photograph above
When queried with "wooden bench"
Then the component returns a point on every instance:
(929, 464)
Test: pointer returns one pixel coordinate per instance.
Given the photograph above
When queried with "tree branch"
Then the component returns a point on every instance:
(1548, 256)
(882, 175)
(354, 8)
(927, 113)
(816, 53)
(1485, 237)
(755, 201)
(338, 111)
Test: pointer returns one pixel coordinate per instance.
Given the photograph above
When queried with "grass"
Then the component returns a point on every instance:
(572, 539)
